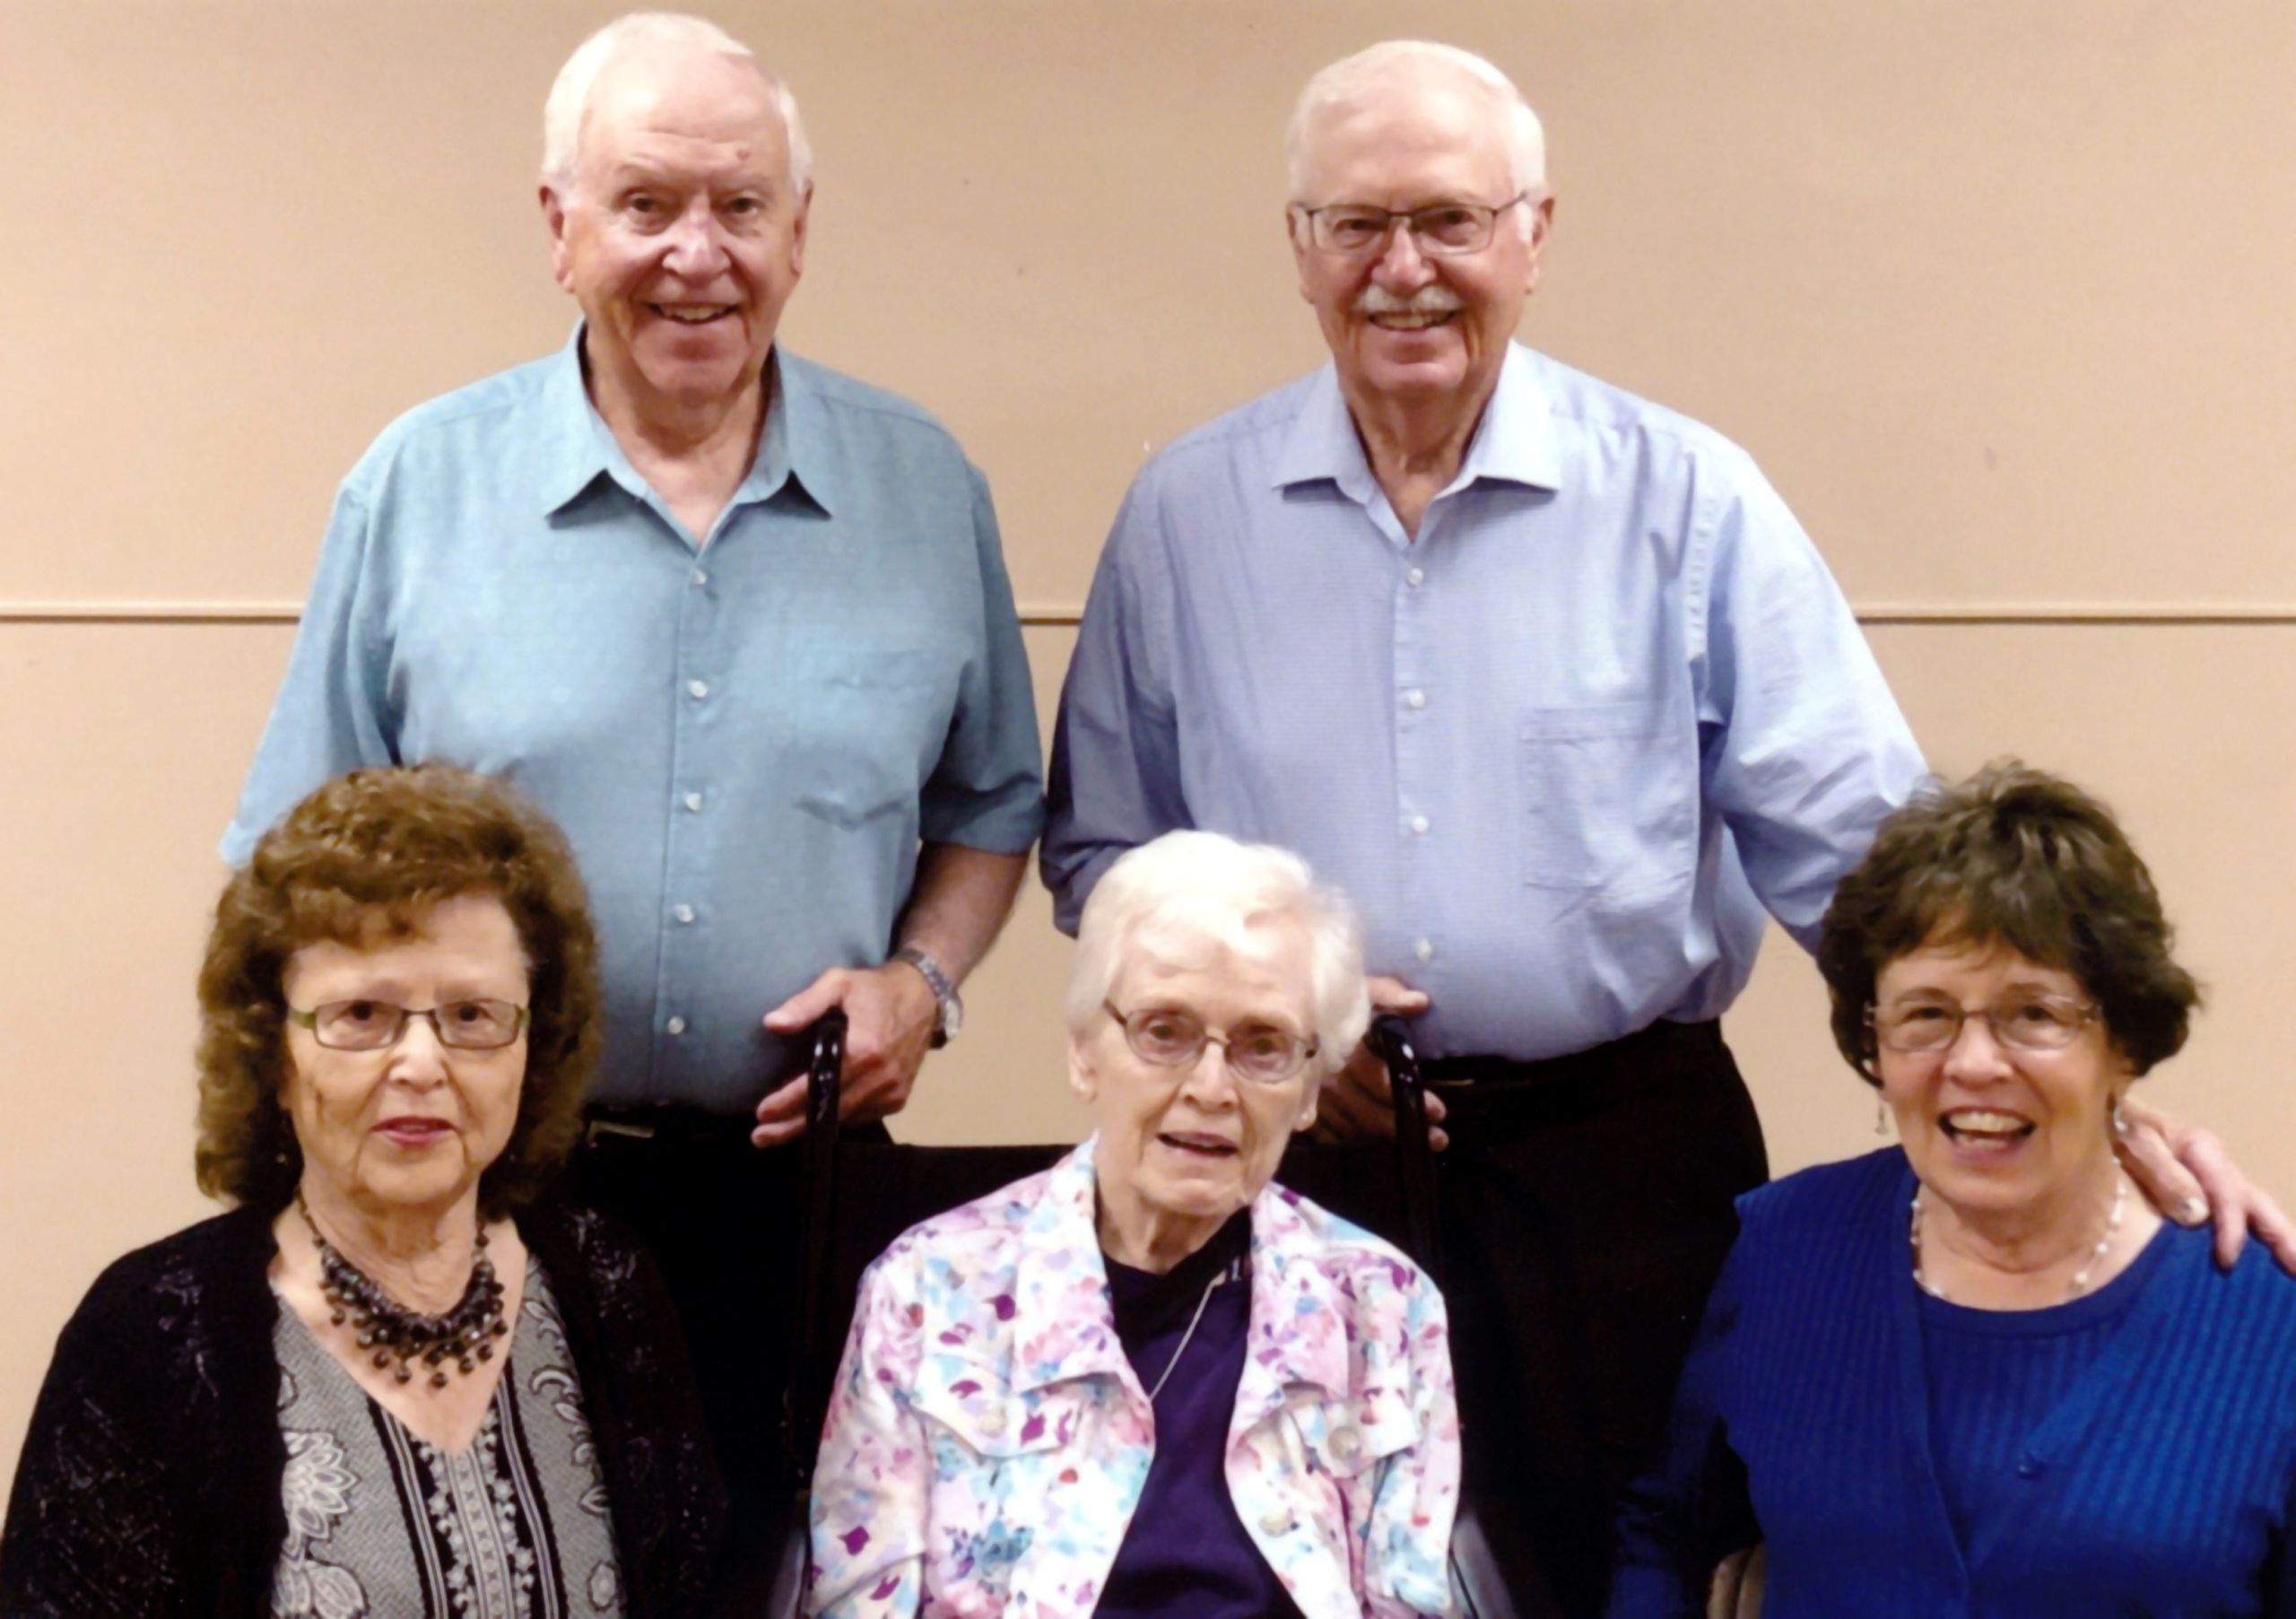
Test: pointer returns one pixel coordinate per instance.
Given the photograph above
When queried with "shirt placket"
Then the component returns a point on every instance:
(701, 673)
(1414, 705)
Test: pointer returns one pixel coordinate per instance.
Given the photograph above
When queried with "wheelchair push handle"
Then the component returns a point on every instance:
(1390, 1037)
(824, 1072)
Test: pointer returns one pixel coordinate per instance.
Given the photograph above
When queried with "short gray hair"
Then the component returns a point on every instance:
(1215, 888)
(1351, 78)
(569, 103)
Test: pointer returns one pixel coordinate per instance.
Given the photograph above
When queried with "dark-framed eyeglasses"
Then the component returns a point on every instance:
(470, 1025)
(1439, 229)
(2021, 1023)
(1262, 1054)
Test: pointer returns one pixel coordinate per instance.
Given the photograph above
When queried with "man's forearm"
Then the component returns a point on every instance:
(959, 904)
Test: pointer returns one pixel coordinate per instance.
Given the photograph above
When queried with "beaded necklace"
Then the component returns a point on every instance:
(463, 1336)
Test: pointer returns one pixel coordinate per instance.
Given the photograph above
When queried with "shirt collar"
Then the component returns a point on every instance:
(1062, 1329)
(577, 448)
(1062, 1325)
(795, 450)
(1514, 443)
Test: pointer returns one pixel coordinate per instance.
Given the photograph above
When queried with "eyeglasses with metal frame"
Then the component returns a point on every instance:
(370, 1025)
(1262, 1054)
(1443, 229)
(2021, 1022)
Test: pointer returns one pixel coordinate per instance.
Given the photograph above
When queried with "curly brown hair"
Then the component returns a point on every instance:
(360, 861)
(2015, 856)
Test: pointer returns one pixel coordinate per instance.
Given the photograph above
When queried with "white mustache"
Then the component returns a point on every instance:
(1434, 299)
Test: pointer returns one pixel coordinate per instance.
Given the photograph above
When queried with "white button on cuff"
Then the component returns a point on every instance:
(1275, 1523)
(992, 1422)
(1414, 699)
(1419, 825)
(697, 688)
(694, 801)
(1345, 1443)
(676, 1025)
(683, 913)
(1424, 950)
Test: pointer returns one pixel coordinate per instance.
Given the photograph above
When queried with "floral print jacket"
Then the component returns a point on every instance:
(987, 1440)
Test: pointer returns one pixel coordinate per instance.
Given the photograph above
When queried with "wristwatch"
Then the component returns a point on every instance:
(951, 1014)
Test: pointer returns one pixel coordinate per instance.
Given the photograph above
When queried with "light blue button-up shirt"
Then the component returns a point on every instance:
(744, 739)
(1561, 752)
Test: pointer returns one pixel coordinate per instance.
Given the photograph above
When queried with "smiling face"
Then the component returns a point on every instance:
(412, 1125)
(1405, 326)
(1987, 1127)
(1182, 1149)
(682, 236)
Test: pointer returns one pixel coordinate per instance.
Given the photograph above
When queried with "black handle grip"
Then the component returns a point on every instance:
(1415, 1151)
(825, 1073)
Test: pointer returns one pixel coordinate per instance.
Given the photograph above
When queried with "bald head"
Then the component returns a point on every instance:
(1375, 79)
(632, 47)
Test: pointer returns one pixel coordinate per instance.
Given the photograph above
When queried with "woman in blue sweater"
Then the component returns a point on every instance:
(1981, 1375)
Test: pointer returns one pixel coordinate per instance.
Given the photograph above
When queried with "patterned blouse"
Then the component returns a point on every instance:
(382, 1523)
(988, 1441)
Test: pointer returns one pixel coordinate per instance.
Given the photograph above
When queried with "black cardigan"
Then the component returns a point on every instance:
(149, 1479)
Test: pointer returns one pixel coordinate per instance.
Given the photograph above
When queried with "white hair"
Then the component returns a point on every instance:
(1189, 889)
(1352, 80)
(567, 109)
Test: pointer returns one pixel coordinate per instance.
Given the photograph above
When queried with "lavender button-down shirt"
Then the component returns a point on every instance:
(1562, 750)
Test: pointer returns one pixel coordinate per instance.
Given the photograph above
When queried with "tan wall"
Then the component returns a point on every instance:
(1995, 288)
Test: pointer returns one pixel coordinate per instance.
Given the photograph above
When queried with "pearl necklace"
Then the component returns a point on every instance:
(2080, 1282)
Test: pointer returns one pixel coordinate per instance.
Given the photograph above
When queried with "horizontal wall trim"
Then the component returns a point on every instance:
(1042, 616)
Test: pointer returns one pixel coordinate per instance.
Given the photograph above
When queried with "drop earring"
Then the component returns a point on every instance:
(1880, 1115)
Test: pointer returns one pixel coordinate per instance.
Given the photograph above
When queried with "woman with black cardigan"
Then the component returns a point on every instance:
(389, 1380)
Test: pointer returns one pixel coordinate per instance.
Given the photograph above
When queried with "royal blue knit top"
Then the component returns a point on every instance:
(2131, 1452)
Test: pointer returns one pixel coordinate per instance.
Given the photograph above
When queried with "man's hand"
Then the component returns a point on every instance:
(2189, 1177)
(889, 1014)
(1358, 1103)
(1738, 1582)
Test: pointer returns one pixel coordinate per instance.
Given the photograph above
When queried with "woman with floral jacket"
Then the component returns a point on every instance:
(1148, 1381)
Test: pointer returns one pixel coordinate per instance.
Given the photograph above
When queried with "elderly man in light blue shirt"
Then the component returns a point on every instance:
(1550, 680)
(740, 624)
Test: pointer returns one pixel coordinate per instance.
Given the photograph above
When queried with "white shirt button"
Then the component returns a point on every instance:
(1276, 1521)
(1345, 1443)
(701, 576)
(1424, 950)
(1414, 699)
(992, 1422)
(1415, 577)
(694, 802)
(1419, 825)
(683, 913)
(697, 689)
(676, 1025)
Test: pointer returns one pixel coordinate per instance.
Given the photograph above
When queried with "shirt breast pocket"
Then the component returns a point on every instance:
(969, 1406)
(1609, 794)
(993, 1455)
(868, 728)
(1340, 1443)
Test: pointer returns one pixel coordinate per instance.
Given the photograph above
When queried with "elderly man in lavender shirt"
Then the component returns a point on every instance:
(1550, 680)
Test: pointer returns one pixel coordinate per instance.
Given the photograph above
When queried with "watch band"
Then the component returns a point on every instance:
(950, 1005)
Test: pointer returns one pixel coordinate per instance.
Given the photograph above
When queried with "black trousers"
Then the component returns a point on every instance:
(724, 1221)
(1587, 1210)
